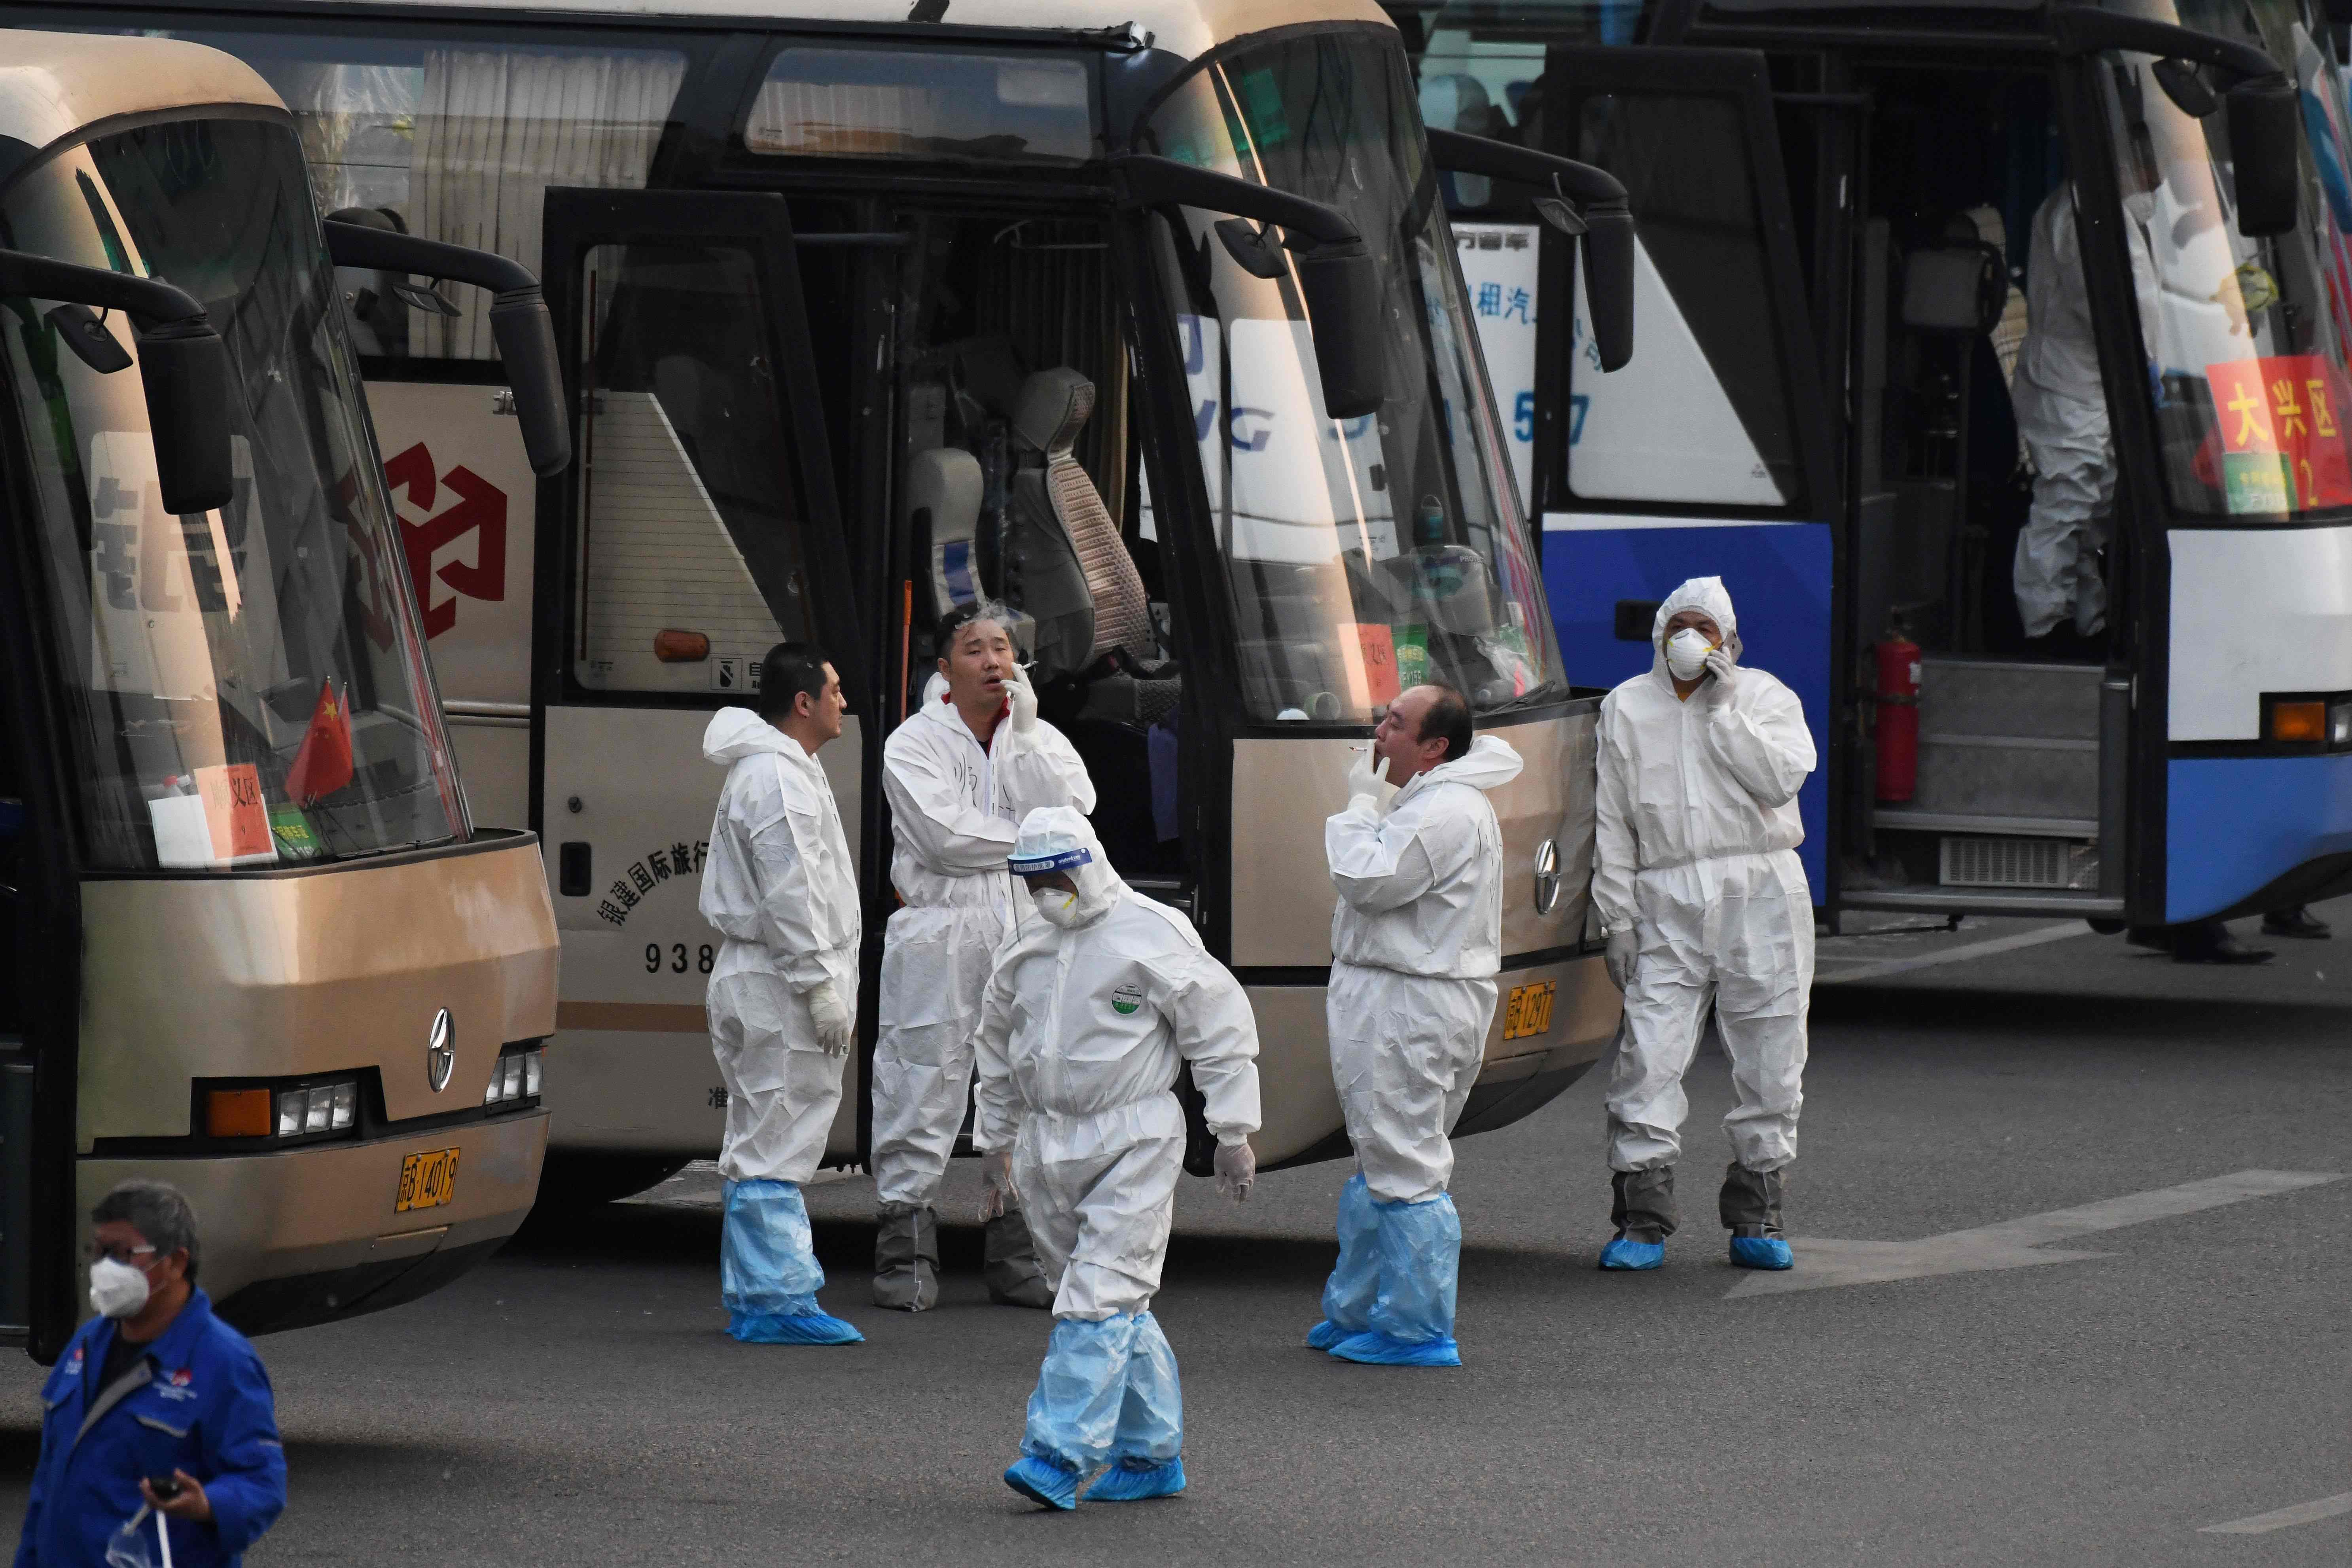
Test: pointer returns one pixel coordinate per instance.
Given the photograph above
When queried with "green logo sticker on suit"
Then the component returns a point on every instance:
(1126, 999)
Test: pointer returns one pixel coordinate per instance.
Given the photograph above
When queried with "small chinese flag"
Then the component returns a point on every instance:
(323, 765)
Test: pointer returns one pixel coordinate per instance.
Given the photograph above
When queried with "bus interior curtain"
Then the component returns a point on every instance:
(1046, 287)
(494, 131)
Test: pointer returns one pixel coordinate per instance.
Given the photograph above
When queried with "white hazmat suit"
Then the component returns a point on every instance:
(780, 886)
(2061, 416)
(1416, 940)
(953, 810)
(1696, 854)
(1081, 1028)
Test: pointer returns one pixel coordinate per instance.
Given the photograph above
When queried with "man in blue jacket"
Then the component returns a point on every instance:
(152, 1387)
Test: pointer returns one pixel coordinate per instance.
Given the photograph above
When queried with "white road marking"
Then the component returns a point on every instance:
(2013, 1243)
(1985, 949)
(2279, 1518)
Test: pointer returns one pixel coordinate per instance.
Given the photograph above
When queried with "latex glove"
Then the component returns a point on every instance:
(1236, 1169)
(1366, 780)
(997, 1196)
(837, 1025)
(1718, 692)
(1624, 948)
(1023, 698)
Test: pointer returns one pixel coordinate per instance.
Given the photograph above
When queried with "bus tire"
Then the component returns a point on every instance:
(574, 1179)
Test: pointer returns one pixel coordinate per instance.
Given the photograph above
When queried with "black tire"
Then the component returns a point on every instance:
(578, 1179)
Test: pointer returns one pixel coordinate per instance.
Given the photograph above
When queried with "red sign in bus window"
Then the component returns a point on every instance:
(2281, 428)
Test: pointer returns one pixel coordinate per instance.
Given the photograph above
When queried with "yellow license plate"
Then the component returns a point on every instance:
(1526, 1012)
(426, 1181)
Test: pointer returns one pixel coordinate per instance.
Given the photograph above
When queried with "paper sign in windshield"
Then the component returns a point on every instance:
(2281, 433)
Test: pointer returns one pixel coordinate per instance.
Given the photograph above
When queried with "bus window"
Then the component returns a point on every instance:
(248, 689)
(1701, 414)
(2244, 337)
(686, 522)
(458, 144)
(1363, 555)
(923, 103)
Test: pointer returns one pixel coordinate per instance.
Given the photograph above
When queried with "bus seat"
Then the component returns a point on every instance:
(942, 494)
(1075, 575)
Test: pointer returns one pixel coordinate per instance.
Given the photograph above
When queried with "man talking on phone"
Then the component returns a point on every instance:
(158, 1419)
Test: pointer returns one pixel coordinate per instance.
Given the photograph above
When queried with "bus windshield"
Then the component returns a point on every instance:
(2245, 338)
(246, 686)
(1367, 555)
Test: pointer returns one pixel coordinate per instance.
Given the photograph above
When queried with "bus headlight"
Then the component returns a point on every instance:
(318, 1107)
(514, 1078)
(2314, 722)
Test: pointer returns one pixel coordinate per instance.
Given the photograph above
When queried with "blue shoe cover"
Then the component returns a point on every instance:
(1127, 1482)
(801, 1329)
(1354, 1288)
(1373, 1349)
(1044, 1482)
(1625, 1253)
(1761, 1252)
(1419, 1247)
(1324, 1335)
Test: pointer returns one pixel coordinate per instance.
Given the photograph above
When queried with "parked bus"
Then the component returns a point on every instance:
(1837, 203)
(253, 944)
(1152, 329)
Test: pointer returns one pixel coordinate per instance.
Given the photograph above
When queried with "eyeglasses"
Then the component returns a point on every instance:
(123, 1255)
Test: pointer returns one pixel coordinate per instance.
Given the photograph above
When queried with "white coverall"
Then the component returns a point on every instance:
(954, 813)
(781, 886)
(1080, 1034)
(1695, 852)
(1417, 939)
(2061, 416)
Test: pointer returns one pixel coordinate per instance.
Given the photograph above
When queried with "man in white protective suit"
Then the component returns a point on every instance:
(2062, 416)
(1416, 942)
(960, 774)
(1704, 902)
(780, 886)
(1097, 997)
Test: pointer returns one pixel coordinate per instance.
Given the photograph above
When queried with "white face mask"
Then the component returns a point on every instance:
(116, 1289)
(1059, 906)
(1687, 653)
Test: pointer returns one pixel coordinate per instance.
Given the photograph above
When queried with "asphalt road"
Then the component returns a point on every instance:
(574, 1400)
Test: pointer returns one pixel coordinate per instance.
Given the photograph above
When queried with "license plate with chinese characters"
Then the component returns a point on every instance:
(426, 1181)
(1526, 1011)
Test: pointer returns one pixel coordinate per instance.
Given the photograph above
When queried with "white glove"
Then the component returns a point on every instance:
(1718, 692)
(1366, 780)
(1236, 1169)
(997, 1197)
(837, 1025)
(1023, 698)
(1624, 950)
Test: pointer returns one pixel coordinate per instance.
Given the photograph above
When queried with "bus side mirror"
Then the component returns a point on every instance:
(518, 323)
(1607, 250)
(1341, 284)
(184, 368)
(2265, 124)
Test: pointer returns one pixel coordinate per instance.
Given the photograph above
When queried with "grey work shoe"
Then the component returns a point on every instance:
(1751, 1200)
(907, 1258)
(1645, 1208)
(1009, 1263)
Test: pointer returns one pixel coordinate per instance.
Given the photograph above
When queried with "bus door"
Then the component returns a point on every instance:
(1708, 455)
(697, 529)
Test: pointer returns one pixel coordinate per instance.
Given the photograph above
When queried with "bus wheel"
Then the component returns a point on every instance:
(578, 1179)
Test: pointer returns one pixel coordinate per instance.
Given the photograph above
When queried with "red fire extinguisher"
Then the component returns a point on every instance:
(1898, 716)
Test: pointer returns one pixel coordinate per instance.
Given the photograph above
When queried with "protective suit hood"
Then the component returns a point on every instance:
(737, 732)
(1489, 764)
(1052, 831)
(1706, 595)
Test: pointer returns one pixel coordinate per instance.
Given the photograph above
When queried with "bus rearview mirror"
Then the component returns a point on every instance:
(1607, 249)
(2265, 124)
(1342, 288)
(185, 372)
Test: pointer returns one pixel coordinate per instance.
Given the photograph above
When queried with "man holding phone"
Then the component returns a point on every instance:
(157, 1407)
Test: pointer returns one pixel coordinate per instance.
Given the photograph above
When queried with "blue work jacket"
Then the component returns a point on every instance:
(203, 1406)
